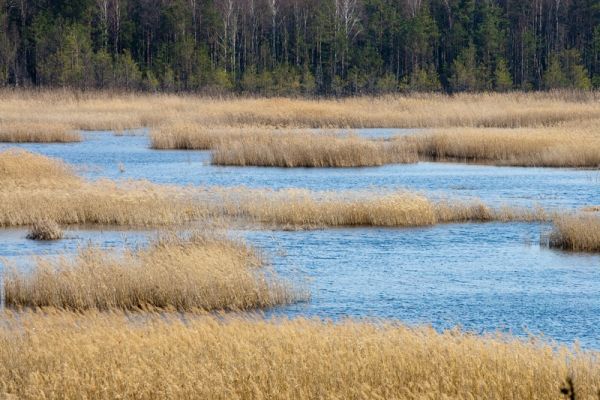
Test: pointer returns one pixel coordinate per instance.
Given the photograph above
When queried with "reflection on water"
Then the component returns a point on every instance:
(483, 277)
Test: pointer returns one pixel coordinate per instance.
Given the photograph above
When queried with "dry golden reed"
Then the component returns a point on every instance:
(45, 229)
(271, 148)
(296, 208)
(291, 150)
(118, 112)
(111, 355)
(34, 187)
(37, 132)
(199, 273)
(559, 146)
(578, 232)
(48, 189)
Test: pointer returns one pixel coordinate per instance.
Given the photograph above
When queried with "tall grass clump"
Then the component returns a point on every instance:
(110, 355)
(578, 232)
(37, 132)
(199, 273)
(312, 150)
(560, 146)
(45, 230)
(20, 168)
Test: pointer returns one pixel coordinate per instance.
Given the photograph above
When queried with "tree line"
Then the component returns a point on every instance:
(309, 47)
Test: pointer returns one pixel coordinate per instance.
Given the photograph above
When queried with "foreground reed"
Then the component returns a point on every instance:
(199, 273)
(38, 132)
(98, 356)
(567, 145)
(579, 232)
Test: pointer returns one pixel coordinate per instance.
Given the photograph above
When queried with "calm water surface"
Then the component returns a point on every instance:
(483, 277)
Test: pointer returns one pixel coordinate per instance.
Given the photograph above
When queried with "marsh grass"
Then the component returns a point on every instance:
(297, 209)
(48, 189)
(200, 273)
(568, 145)
(117, 112)
(20, 168)
(45, 230)
(38, 132)
(292, 150)
(577, 232)
(112, 355)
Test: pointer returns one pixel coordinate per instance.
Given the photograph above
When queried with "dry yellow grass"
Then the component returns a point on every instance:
(20, 168)
(34, 187)
(296, 208)
(101, 356)
(45, 229)
(199, 273)
(566, 145)
(109, 111)
(578, 232)
(38, 132)
(270, 148)
(49, 190)
(291, 150)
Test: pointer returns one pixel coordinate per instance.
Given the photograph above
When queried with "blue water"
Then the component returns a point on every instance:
(482, 277)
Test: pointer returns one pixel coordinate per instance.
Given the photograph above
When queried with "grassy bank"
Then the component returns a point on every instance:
(37, 132)
(200, 273)
(34, 188)
(110, 111)
(98, 355)
(567, 145)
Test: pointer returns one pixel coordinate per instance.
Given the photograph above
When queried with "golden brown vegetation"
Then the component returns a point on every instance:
(67, 199)
(34, 188)
(109, 111)
(200, 273)
(37, 132)
(566, 145)
(311, 150)
(297, 208)
(45, 229)
(270, 148)
(579, 232)
(98, 356)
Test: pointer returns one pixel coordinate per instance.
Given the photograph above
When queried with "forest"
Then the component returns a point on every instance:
(301, 47)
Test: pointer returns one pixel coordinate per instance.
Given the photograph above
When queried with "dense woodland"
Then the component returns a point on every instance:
(309, 47)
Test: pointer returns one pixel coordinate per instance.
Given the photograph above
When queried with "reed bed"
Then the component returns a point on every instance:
(113, 111)
(45, 230)
(34, 188)
(193, 136)
(38, 132)
(20, 168)
(110, 355)
(47, 189)
(560, 146)
(576, 232)
(200, 273)
(293, 150)
(301, 209)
